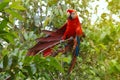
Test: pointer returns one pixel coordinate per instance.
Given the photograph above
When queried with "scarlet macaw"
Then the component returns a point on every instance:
(69, 33)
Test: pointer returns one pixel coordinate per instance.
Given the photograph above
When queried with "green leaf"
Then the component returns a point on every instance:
(28, 59)
(29, 71)
(107, 39)
(0, 69)
(118, 67)
(3, 24)
(5, 52)
(6, 0)
(3, 32)
(5, 61)
(3, 5)
(11, 18)
(103, 46)
(7, 36)
(17, 5)
(66, 59)
(14, 62)
(52, 2)
(33, 68)
(25, 36)
(56, 64)
(14, 14)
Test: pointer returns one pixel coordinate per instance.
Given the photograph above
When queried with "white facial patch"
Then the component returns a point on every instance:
(73, 15)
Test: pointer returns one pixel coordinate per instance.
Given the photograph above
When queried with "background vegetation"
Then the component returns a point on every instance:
(21, 22)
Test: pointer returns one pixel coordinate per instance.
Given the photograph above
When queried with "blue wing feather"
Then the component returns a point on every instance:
(77, 49)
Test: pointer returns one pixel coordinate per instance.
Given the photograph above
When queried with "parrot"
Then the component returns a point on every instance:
(70, 34)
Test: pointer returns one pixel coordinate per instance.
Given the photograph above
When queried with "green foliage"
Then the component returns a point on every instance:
(21, 22)
(3, 5)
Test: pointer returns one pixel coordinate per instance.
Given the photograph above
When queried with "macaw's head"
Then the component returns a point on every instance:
(72, 14)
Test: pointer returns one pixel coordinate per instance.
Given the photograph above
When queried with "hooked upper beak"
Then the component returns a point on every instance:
(69, 15)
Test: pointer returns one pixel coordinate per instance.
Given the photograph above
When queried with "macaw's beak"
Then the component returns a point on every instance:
(70, 17)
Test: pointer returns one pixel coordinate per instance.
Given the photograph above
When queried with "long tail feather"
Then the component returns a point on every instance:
(75, 53)
(72, 64)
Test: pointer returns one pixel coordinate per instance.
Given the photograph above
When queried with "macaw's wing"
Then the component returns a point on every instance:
(44, 44)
